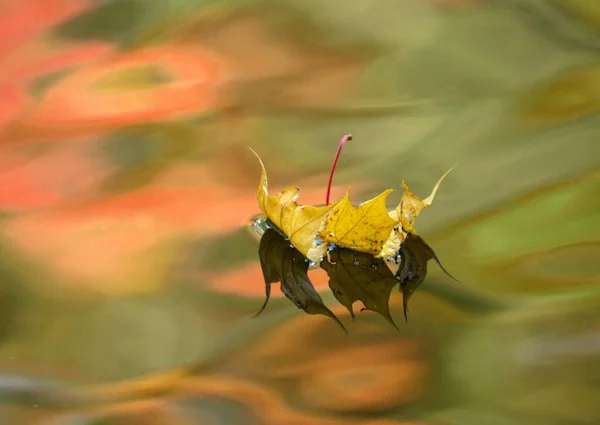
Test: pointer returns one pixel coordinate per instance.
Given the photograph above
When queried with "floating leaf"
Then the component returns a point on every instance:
(414, 253)
(299, 223)
(281, 262)
(357, 276)
(364, 229)
(357, 240)
(368, 228)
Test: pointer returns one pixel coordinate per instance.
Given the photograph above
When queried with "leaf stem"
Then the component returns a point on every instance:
(335, 160)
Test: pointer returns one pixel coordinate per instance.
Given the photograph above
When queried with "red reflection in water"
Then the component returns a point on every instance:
(24, 55)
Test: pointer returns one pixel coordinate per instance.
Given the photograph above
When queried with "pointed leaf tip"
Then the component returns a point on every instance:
(427, 201)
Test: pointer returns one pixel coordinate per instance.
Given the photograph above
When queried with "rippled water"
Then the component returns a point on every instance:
(129, 278)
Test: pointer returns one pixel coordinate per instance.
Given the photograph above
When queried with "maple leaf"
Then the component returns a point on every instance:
(357, 240)
(368, 228)
(300, 223)
(283, 263)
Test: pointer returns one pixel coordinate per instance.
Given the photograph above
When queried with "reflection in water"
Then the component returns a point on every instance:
(129, 279)
(353, 275)
(284, 264)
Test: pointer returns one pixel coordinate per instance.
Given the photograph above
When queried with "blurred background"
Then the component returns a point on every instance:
(129, 278)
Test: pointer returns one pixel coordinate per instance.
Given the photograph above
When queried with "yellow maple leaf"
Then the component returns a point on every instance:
(300, 223)
(368, 228)
(364, 228)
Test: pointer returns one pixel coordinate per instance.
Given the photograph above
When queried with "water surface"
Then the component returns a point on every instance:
(129, 277)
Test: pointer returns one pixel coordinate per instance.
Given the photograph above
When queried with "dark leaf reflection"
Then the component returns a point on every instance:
(281, 262)
(353, 276)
